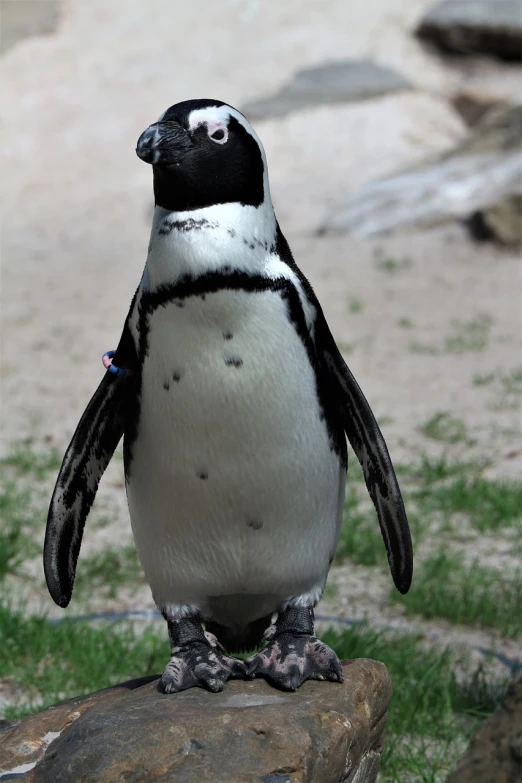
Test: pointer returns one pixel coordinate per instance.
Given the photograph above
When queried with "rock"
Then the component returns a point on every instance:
(501, 221)
(495, 753)
(471, 26)
(488, 82)
(480, 180)
(472, 107)
(22, 18)
(323, 733)
(334, 82)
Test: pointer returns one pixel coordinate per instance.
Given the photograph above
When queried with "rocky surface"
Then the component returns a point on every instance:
(479, 181)
(323, 733)
(470, 26)
(495, 754)
(333, 82)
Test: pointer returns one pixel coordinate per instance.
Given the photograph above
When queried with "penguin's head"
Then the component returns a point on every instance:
(204, 152)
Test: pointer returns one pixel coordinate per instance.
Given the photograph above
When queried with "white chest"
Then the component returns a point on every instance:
(232, 473)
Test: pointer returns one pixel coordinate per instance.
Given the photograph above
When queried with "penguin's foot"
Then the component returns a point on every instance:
(200, 665)
(197, 659)
(293, 654)
(290, 659)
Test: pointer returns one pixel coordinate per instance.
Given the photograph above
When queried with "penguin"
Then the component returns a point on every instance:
(234, 404)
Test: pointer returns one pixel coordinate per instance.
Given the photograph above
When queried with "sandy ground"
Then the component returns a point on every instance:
(77, 205)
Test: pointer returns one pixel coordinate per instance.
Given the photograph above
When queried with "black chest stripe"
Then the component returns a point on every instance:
(213, 282)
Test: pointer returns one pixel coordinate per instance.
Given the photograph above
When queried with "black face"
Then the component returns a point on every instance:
(209, 164)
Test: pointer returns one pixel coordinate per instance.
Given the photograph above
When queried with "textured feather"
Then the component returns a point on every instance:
(370, 448)
(364, 435)
(88, 454)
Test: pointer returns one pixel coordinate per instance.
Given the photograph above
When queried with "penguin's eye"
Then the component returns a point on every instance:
(219, 135)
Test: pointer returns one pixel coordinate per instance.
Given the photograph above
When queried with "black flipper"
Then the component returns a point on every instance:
(88, 454)
(365, 437)
(370, 448)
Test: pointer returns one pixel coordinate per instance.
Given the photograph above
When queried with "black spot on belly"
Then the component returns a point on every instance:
(227, 334)
(227, 268)
(166, 385)
(176, 376)
(179, 303)
(202, 474)
(255, 524)
(203, 297)
(233, 361)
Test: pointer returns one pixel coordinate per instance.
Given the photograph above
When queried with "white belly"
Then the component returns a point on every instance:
(233, 487)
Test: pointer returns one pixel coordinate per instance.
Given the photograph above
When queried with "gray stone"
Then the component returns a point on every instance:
(475, 26)
(20, 19)
(480, 181)
(503, 220)
(249, 733)
(334, 82)
(495, 753)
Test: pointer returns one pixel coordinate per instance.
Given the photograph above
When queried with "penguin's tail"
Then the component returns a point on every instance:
(246, 638)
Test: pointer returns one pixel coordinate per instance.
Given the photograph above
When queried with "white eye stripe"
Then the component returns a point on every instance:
(215, 119)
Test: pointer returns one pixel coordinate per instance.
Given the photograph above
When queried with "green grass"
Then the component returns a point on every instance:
(488, 504)
(444, 427)
(345, 348)
(465, 337)
(429, 470)
(392, 265)
(24, 459)
(361, 539)
(355, 305)
(405, 323)
(432, 713)
(15, 547)
(468, 336)
(483, 379)
(429, 350)
(24, 495)
(440, 485)
(507, 386)
(102, 574)
(472, 595)
(19, 516)
(433, 488)
(512, 381)
(331, 590)
(51, 662)
(23, 503)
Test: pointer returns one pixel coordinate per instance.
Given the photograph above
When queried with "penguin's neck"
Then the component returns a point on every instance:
(222, 237)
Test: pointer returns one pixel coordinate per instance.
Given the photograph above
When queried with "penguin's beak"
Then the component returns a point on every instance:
(163, 143)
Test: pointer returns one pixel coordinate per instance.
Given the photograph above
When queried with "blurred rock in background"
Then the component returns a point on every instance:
(334, 82)
(480, 181)
(495, 753)
(475, 26)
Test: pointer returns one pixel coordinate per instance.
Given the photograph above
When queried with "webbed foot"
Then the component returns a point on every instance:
(197, 659)
(293, 654)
